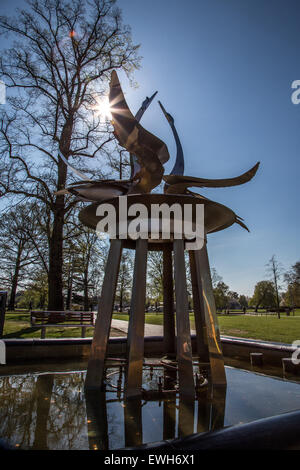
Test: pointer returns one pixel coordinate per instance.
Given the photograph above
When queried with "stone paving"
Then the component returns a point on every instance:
(150, 330)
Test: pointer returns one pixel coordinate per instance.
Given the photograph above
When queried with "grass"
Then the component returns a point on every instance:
(268, 328)
(286, 329)
(17, 325)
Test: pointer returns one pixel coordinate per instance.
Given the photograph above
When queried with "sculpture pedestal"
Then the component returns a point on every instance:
(179, 345)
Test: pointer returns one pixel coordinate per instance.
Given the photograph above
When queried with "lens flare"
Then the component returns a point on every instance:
(102, 109)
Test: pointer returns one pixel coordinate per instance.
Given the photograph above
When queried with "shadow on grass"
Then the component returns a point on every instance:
(19, 333)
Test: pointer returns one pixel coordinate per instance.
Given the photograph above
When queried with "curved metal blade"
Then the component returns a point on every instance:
(150, 151)
(77, 172)
(133, 160)
(178, 168)
(236, 218)
(179, 184)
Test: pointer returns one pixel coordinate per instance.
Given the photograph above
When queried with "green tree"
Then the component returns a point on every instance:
(36, 292)
(264, 295)
(292, 279)
(221, 295)
(243, 301)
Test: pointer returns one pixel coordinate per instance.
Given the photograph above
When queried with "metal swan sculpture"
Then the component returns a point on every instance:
(148, 154)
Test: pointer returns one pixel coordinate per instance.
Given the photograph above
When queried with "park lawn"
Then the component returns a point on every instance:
(17, 325)
(284, 330)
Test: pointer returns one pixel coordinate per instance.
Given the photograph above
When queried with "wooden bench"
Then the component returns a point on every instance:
(60, 319)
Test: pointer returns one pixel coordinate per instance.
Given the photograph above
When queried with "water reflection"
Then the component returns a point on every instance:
(50, 411)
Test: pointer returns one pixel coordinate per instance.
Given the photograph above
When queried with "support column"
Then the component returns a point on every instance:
(133, 424)
(97, 424)
(184, 346)
(218, 408)
(199, 311)
(204, 409)
(96, 363)
(186, 417)
(135, 339)
(213, 332)
(169, 317)
(169, 405)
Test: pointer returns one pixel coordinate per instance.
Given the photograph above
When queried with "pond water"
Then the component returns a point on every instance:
(51, 411)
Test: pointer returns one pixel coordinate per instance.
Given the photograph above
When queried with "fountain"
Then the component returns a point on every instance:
(148, 154)
(179, 393)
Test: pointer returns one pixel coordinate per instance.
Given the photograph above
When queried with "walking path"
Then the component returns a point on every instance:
(157, 330)
(150, 330)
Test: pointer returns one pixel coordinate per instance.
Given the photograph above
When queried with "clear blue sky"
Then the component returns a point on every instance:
(224, 70)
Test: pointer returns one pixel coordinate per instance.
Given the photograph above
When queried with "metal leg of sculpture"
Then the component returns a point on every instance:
(96, 363)
(199, 312)
(213, 333)
(186, 417)
(169, 405)
(97, 424)
(133, 424)
(218, 408)
(204, 409)
(184, 346)
(169, 317)
(135, 340)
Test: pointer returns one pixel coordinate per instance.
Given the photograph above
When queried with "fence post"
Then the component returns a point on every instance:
(3, 297)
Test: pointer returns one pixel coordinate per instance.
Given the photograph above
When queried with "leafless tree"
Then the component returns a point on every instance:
(274, 269)
(124, 283)
(57, 71)
(17, 253)
(88, 257)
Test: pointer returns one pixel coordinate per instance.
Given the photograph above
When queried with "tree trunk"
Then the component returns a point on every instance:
(55, 281)
(69, 291)
(14, 285)
(68, 301)
(86, 290)
(121, 300)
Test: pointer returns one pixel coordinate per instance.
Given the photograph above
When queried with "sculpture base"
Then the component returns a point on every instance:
(207, 331)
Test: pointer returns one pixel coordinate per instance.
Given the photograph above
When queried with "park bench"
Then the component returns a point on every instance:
(65, 319)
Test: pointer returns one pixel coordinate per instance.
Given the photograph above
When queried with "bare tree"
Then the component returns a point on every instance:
(274, 268)
(58, 69)
(17, 252)
(155, 275)
(89, 261)
(124, 279)
(215, 277)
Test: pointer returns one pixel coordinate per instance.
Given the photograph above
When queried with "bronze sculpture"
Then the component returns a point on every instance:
(148, 155)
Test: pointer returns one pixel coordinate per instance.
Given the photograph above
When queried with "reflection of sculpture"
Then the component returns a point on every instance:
(148, 155)
(176, 418)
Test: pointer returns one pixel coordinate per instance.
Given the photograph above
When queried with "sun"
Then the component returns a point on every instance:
(102, 109)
